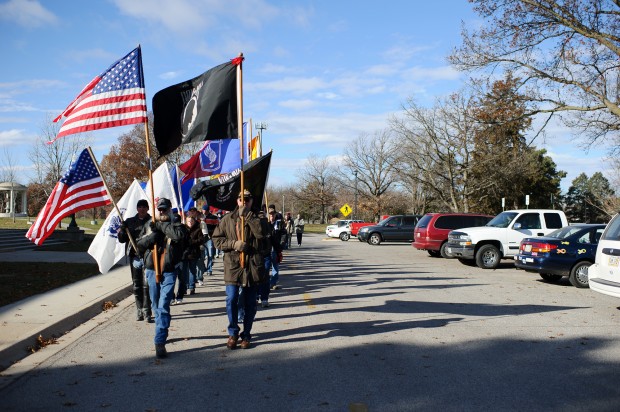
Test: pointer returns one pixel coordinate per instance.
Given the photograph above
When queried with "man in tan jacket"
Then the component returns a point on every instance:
(243, 265)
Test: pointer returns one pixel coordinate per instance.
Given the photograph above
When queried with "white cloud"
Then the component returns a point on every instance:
(297, 104)
(14, 137)
(291, 85)
(431, 74)
(27, 13)
(170, 75)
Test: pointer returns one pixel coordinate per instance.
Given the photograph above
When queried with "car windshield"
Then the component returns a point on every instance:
(383, 222)
(565, 232)
(422, 223)
(503, 219)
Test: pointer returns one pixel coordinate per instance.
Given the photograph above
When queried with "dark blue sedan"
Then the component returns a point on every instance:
(568, 251)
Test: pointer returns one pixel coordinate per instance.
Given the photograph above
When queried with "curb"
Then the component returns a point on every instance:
(18, 350)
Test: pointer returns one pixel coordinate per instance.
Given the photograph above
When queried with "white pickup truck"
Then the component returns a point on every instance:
(501, 237)
(342, 229)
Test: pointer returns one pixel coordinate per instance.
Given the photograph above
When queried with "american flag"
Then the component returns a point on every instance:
(80, 188)
(114, 98)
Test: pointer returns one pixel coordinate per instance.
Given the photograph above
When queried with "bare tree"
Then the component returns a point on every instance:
(436, 149)
(566, 53)
(373, 157)
(317, 187)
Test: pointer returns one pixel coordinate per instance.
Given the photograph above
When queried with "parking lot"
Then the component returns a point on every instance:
(355, 327)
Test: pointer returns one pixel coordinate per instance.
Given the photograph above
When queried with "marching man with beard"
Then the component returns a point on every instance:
(244, 274)
(169, 235)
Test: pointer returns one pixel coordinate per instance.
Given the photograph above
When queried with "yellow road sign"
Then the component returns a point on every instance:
(345, 210)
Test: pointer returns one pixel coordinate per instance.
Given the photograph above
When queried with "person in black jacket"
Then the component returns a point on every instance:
(192, 253)
(272, 260)
(168, 236)
(135, 225)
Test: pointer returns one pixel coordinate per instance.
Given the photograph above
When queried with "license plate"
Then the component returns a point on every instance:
(527, 260)
(613, 261)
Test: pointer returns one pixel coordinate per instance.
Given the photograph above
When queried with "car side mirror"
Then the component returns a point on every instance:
(517, 226)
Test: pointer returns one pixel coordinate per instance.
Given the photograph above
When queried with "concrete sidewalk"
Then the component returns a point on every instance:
(56, 312)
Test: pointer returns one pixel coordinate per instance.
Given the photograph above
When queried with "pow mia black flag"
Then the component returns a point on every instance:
(203, 108)
(222, 193)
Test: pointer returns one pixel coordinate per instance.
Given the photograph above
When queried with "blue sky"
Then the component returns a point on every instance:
(319, 73)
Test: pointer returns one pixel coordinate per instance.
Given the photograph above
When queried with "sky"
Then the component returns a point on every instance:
(318, 73)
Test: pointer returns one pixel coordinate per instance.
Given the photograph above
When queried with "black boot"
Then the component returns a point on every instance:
(139, 315)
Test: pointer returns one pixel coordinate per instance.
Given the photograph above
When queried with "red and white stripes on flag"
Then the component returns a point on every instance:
(114, 98)
(80, 188)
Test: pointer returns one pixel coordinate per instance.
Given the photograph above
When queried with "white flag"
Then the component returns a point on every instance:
(105, 247)
(163, 186)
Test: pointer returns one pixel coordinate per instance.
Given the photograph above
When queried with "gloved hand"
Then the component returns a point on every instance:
(123, 226)
(240, 246)
(153, 226)
(279, 258)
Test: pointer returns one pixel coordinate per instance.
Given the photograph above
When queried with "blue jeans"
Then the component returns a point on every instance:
(161, 296)
(275, 268)
(190, 273)
(232, 310)
(209, 254)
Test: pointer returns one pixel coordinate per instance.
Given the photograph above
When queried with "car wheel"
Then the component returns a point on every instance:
(488, 257)
(550, 278)
(579, 275)
(344, 236)
(443, 252)
(433, 253)
(374, 239)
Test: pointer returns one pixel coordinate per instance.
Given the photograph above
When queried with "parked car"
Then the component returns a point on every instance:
(397, 228)
(431, 232)
(501, 237)
(341, 229)
(568, 251)
(604, 274)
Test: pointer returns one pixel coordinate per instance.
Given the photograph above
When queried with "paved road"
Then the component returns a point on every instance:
(355, 327)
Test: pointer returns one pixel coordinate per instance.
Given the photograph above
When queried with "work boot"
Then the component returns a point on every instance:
(147, 316)
(232, 342)
(160, 350)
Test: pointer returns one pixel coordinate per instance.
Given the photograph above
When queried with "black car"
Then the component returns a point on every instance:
(568, 251)
(397, 228)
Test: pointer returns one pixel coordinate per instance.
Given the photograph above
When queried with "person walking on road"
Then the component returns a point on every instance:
(135, 225)
(168, 235)
(290, 229)
(246, 275)
(208, 225)
(272, 260)
(299, 228)
(192, 254)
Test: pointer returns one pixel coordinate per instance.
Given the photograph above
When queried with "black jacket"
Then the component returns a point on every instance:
(135, 226)
(170, 238)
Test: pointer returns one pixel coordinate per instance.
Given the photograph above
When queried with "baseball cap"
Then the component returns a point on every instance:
(163, 204)
(246, 194)
(142, 203)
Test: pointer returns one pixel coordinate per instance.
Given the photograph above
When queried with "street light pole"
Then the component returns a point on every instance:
(355, 204)
(261, 126)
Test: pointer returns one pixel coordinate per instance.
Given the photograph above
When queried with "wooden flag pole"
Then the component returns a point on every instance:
(158, 270)
(105, 184)
(241, 149)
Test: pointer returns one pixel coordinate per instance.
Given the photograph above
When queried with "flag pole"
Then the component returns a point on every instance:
(105, 184)
(149, 162)
(240, 137)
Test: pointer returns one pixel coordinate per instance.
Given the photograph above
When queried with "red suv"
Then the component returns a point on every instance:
(431, 232)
